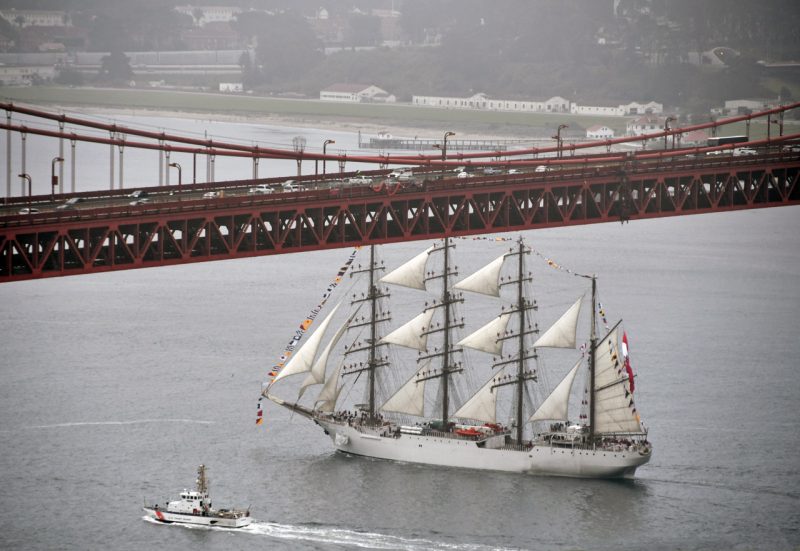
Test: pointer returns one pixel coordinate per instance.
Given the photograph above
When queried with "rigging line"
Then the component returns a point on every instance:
(553, 264)
(308, 321)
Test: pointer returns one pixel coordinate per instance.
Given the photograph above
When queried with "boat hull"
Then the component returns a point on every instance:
(542, 460)
(182, 518)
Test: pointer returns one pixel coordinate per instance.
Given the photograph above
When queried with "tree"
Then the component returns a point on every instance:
(115, 67)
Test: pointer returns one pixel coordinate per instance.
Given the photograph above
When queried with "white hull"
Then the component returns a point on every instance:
(464, 453)
(184, 518)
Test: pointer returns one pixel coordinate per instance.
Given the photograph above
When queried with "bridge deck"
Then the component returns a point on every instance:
(107, 233)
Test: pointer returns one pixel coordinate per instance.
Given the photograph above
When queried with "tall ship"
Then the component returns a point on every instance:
(477, 402)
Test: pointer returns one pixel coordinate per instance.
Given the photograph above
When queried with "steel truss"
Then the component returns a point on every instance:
(235, 227)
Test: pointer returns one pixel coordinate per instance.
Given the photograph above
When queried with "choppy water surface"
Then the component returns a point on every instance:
(115, 386)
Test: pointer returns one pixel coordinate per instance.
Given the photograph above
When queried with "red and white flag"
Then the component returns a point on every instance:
(627, 359)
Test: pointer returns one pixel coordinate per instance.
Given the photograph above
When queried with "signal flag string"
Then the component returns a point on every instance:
(301, 331)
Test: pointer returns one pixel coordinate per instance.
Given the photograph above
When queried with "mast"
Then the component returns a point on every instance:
(520, 341)
(592, 355)
(372, 296)
(375, 316)
(446, 350)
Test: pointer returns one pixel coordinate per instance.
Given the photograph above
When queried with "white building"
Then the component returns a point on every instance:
(599, 132)
(355, 93)
(203, 15)
(649, 108)
(24, 76)
(597, 110)
(632, 108)
(231, 87)
(735, 106)
(35, 18)
(645, 125)
(481, 101)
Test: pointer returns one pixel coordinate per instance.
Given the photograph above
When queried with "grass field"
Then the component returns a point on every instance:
(398, 114)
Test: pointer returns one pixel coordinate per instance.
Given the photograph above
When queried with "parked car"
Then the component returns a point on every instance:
(70, 203)
(211, 194)
(260, 188)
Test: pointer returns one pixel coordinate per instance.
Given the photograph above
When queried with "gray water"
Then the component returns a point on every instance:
(116, 386)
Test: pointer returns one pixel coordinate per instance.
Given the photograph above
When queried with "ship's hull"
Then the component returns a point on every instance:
(543, 460)
(183, 518)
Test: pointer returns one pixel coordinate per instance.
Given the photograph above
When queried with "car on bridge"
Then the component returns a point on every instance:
(261, 188)
(359, 181)
(291, 185)
(211, 194)
(28, 210)
(70, 203)
(138, 194)
(744, 151)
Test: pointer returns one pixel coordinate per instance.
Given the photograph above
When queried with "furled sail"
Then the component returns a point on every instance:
(562, 333)
(413, 334)
(488, 338)
(410, 398)
(614, 411)
(485, 281)
(326, 401)
(556, 406)
(411, 274)
(317, 374)
(483, 404)
(303, 359)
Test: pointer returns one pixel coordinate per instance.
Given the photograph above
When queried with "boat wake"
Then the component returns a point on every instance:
(338, 536)
(134, 422)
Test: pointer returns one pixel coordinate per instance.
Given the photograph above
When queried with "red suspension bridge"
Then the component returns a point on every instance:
(506, 191)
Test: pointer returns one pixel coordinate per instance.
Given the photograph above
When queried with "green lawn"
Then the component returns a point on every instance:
(243, 104)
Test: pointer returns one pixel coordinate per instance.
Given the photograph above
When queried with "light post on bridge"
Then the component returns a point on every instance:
(324, 147)
(180, 179)
(53, 177)
(666, 129)
(558, 137)
(444, 148)
(26, 176)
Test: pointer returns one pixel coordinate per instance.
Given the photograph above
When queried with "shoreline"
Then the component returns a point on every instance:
(339, 124)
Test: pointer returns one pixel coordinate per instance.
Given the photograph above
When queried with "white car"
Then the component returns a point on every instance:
(540, 168)
(290, 185)
(743, 151)
(359, 180)
(464, 175)
(260, 188)
(27, 210)
(397, 173)
(211, 194)
(514, 171)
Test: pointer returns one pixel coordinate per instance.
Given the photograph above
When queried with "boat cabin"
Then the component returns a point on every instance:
(191, 503)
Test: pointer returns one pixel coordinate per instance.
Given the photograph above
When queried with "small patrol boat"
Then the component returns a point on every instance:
(194, 507)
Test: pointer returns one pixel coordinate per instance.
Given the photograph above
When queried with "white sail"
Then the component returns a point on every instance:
(412, 334)
(326, 401)
(562, 333)
(302, 360)
(411, 274)
(483, 404)
(485, 281)
(556, 406)
(317, 374)
(487, 338)
(613, 404)
(410, 398)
